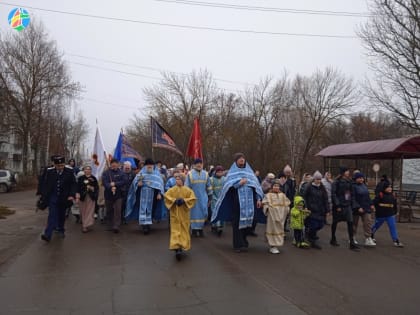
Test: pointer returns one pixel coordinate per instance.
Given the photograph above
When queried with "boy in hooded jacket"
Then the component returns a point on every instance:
(298, 214)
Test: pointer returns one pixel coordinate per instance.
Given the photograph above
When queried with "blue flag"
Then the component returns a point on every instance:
(162, 139)
(125, 152)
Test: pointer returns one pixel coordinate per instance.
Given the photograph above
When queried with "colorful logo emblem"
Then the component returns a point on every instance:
(19, 19)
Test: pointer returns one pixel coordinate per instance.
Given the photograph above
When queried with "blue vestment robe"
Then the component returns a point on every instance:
(141, 201)
(199, 182)
(223, 208)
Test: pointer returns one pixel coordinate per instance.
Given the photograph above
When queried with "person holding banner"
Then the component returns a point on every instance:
(113, 180)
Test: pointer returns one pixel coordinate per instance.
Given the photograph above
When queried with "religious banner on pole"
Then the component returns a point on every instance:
(99, 156)
(194, 145)
(161, 138)
(125, 152)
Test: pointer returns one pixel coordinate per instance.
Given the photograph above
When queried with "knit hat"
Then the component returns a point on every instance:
(271, 176)
(275, 182)
(358, 175)
(281, 174)
(198, 160)
(149, 162)
(218, 168)
(317, 175)
(386, 185)
(343, 169)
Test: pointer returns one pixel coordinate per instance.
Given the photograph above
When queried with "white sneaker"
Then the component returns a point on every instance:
(398, 244)
(274, 250)
(369, 242)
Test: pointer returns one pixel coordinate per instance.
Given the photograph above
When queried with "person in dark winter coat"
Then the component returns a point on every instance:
(386, 209)
(362, 208)
(316, 200)
(342, 198)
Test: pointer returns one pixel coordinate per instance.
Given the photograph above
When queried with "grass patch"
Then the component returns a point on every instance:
(4, 211)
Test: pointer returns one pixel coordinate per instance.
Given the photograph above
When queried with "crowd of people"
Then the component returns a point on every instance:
(191, 198)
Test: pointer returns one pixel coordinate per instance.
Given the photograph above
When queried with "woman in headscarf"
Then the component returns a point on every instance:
(87, 194)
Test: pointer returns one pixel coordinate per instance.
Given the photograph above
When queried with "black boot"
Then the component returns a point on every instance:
(146, 229)
(315, 245)
(333, 242)
(354, 247)
(178, 254)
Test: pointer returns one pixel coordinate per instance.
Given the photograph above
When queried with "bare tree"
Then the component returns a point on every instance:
(392, 39)
(262, 106)
(318, 101)
(178, 99)
(34, 78)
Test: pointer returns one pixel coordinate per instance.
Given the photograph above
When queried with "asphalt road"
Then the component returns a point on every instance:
(130, 273)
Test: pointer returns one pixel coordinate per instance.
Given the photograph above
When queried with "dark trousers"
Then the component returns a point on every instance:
(313, 226)
(56, 218)
(239, 235)
(113, 213)
(298, 234)
(349, 230)
(123, 206)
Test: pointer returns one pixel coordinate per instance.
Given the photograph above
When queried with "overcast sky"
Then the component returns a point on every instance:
(113, 97)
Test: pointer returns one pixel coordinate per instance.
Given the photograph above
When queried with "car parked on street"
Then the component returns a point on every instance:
(8, 180)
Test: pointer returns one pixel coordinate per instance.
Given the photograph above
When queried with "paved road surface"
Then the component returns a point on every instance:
(129, 273)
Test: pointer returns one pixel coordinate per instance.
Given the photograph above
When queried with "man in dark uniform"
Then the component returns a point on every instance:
(58, 189)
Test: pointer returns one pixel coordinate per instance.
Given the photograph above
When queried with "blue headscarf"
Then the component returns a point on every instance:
(223, 207)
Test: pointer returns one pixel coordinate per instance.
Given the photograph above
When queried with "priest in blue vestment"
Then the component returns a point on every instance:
(240, 200)
(145, 197)
(199, 181)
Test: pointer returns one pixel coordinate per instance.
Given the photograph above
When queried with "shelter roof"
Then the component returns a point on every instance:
(407, 148)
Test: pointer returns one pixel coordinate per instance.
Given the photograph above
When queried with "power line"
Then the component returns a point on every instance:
(132, 73)
(114, 70)
(186, 26)
(109, 103)
(149, 68)
(266, 9)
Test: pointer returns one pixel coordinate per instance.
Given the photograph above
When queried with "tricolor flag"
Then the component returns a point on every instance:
(125, 152)
(194, 145)
(99, 155)
(161, 138)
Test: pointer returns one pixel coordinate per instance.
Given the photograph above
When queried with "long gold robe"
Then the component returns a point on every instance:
(180, 216)
(276, 208)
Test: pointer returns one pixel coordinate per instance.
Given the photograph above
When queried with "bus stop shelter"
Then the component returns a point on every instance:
(389, 149)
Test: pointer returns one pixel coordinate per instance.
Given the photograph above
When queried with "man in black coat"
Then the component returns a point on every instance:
(58, 188)
(114, 182)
